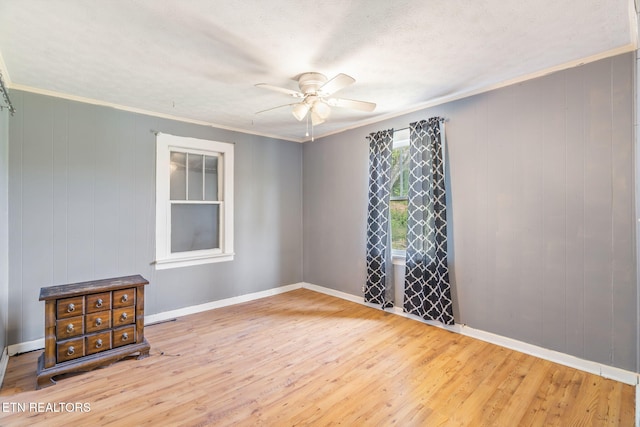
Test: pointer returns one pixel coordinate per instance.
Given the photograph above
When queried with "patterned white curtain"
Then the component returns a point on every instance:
(377, 288)
(427, 290)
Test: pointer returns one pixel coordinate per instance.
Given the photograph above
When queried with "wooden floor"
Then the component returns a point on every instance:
(304, 358)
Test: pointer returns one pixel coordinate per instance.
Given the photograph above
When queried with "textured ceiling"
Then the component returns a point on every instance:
(199, 60)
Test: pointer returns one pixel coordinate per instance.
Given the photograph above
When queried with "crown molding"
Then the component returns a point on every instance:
(421, 106)
(135, 110)
(479, 90)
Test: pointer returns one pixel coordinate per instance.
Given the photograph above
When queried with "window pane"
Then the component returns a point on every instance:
(194, 227)
(210, 178)
(195, 176)
(398, 213)
(400, 172)
(178, 178)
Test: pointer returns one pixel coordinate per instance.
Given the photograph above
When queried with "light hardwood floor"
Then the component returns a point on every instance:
(305, 358)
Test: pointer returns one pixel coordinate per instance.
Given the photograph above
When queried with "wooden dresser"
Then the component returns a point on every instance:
(91, 324)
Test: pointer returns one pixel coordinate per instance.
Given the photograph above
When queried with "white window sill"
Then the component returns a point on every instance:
(163, 264)
(398, 258)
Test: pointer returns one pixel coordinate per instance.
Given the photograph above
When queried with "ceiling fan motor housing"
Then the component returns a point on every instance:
(310, 83)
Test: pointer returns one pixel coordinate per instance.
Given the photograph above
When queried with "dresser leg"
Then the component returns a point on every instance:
(145, 351)
(45, 381)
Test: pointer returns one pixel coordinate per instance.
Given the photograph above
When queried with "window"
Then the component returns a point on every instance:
(399, 200)
(194, 201)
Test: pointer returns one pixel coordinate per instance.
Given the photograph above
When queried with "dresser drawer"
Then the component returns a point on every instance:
(70, 327)
(123, 316)
(124, 335)
(69, 307)
(70, 349)
(98, 342)
(124, 298)
(98, 302)
(95, 322)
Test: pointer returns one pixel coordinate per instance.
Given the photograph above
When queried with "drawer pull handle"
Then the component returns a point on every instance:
(99, 302)
(70, 350)
(70, 328)
(98, 343)
(71, 308)
(123, 316)
(98, 321)
(125, 298)
(125, 336)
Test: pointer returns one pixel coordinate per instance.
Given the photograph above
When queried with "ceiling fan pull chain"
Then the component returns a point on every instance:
(307, 134)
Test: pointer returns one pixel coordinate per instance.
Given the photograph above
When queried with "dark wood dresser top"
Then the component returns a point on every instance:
(81, 288)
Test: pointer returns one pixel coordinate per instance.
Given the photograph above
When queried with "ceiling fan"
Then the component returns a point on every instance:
(315, 96)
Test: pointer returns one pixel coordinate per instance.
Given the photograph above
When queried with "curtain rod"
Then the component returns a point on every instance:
(401, 129)
(442, 119)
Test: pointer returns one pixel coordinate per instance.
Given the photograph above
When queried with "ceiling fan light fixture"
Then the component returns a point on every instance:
(321, 109)
(300, 110)
(316, 119)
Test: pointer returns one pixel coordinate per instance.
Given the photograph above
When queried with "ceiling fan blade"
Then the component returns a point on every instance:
(286, 91)
(335, 84)
(353, 104)
(275, 108)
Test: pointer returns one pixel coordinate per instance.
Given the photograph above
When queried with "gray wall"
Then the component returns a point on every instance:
(541, 210)
(81, 207)
(4, 225)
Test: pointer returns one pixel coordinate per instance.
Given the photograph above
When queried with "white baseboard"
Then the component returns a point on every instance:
(25, 347)
(338, 294)
(167, 315)
(624, 376)
(610, 372)
(606, 371)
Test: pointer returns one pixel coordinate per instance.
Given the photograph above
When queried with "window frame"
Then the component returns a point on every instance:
(165, 144)
(400, 140)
